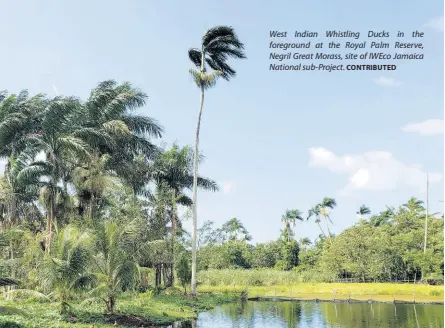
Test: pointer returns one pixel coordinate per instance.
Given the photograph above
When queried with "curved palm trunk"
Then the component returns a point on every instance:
(318, 222)
(195, 194)
(327, 228)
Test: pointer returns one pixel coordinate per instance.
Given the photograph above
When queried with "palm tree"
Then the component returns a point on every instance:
(383, 218)
(414, 204)
(173, 172)
(290, 219)
(91, 181)
(327, 203)
(363, 210)
(20, 116)
(109, 126)
(22, 187)
(114, 267)
(315, 212)
(57, 139)
(64, 268)
(235, 228)
(218, 44)
(305, 243)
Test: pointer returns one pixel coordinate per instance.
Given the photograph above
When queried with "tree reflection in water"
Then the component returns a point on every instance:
(325, 314)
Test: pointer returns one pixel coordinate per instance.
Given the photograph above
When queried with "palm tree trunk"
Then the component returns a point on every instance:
(195, 187)
(321, 229)
(327, 228)
(426, 227)
(173, 237)
(50, 219)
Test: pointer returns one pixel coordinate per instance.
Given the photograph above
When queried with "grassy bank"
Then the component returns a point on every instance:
(328, 291)
(133, 310)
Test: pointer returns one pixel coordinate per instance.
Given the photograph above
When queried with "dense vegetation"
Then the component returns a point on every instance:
(89, 210)
(388, 246)
(87, 201)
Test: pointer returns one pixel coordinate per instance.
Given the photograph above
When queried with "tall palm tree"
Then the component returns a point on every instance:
(363, 210)
(23, 187)
(57, 137)
(218, 44)
(20, 116)
(290, 219)
(173, 172)
(326, 204)
(315, 212)
(110, 126)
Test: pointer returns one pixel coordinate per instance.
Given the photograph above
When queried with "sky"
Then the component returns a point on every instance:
(273, 140)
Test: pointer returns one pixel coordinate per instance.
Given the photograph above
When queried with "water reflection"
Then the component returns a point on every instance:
(319, 315)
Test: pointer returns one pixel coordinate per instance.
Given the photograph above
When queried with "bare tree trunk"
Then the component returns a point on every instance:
(195, 189)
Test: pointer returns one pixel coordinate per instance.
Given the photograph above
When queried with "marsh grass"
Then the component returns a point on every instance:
(330, 291)
(162, 309)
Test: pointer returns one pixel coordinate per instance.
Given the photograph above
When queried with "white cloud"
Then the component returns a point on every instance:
(425, 128)
(228, 187)
(387, 81)
(373, 170)
(436, 23)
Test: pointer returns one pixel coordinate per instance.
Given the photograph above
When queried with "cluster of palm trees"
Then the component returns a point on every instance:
(63, 156)
(317, 212)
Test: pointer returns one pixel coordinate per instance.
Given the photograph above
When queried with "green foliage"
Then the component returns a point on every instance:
(90, 210)
(184, 271)
(113, 267)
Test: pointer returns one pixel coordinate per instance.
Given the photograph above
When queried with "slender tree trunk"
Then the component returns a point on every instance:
(321, 229)
(13, 211)
(173, 237)
(195, 187)
(327, 228)
(157, 275)
(50, 219)
(426, 225)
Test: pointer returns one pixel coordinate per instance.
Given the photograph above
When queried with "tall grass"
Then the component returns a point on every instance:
(269, 282)
(260, 277)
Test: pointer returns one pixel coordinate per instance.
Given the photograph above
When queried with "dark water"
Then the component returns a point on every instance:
(320, 315)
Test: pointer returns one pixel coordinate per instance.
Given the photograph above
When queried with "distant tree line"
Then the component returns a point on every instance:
(386, 246)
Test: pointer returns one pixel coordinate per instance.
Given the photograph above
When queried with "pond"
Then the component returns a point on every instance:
(263, 314)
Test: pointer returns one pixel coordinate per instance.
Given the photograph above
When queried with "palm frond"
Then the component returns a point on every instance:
(4, 281)
(195, 56)
(143, 125)
(28, 293)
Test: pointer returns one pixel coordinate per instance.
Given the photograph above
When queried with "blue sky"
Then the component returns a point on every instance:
(273, 140)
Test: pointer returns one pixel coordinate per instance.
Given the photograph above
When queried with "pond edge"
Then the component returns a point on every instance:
(316, 300)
